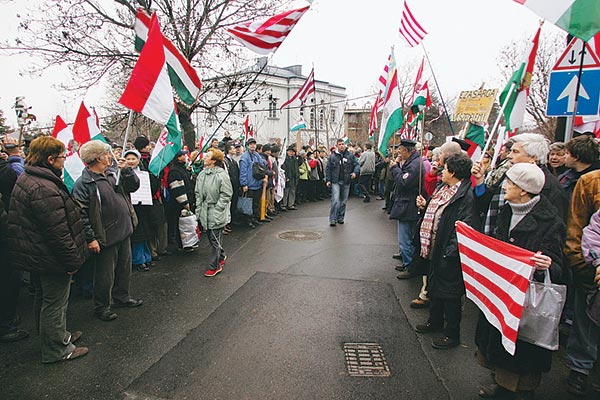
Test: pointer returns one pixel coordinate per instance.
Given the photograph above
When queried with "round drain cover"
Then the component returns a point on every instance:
(299, 235)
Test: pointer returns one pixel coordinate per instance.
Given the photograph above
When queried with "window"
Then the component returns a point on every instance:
(322, 119)
(332, 118)
(273, 108)
(311, 123)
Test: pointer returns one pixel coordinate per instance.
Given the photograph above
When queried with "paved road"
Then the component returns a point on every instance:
(271, 326)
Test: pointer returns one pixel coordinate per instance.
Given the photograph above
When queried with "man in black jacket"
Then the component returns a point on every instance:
(290, 166)
(109, 220)
(234, 176)
(408, 180)
(342, 167)
(181, 191)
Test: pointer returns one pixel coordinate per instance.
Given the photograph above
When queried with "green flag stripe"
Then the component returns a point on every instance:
(393, 125)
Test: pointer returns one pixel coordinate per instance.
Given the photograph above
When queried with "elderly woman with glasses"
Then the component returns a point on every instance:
(46, 237)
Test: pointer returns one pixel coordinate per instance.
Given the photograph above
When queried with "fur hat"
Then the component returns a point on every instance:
(93, 149)
(529, 177)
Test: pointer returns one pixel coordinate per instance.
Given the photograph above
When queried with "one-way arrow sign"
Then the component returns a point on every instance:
(561, 93)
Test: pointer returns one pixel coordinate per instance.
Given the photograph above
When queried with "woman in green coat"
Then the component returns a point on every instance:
(213, 195)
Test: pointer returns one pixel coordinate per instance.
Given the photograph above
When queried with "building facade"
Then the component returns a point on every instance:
(323, 112)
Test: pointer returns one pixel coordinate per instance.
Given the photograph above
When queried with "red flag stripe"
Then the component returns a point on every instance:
(410, 28)
(267, 36)
(191, 72)
(81, 131)
(146, 71)
(306, 89)
(511, 306)
(59, 125)
(507, 331)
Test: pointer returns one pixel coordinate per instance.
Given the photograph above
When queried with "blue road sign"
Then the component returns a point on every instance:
(561, 93)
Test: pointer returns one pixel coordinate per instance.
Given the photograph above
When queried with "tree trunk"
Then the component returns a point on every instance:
(187, 127)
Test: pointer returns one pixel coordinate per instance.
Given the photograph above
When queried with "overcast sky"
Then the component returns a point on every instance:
(348, 43)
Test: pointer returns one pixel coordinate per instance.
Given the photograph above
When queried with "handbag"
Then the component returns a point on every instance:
(543, 306)
(259, 171)
(188, 226)
(244, 205)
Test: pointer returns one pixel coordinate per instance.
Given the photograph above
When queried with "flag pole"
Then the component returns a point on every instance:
(438, 88)
(571, 119)
(315, 107)
(513, 85)
(129, 121)
(421, 155)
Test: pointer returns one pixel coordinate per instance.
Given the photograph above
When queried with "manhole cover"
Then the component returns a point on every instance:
(366, 359)
(299, 235)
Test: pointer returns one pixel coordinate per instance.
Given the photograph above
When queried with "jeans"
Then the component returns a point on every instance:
(405, 241)
(339, 196)
(582, 347)
(140, 253)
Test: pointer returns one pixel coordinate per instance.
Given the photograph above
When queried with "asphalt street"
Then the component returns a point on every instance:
(272, 325)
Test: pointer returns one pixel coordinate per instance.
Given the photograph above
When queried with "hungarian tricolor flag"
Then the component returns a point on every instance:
(514, 112)
(392, 119)
(420, 98)
(149, 93)
(86, 126)
(580, 18)
(183, 76)
(73, 164)
(496, 276)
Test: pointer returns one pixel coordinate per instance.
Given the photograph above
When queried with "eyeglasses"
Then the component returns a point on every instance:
(60, 157)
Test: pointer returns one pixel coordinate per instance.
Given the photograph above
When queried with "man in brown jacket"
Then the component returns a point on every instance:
(582, 347)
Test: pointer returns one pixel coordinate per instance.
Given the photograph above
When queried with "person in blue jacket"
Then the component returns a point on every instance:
(250, 184)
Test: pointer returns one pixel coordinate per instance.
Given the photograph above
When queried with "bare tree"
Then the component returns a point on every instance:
(550, 48)
(94, 39)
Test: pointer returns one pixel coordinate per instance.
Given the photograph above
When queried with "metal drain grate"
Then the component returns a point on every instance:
(299, 235)
(366, 359)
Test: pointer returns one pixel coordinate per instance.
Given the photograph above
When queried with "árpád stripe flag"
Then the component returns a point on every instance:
(307, 88)
(183, 76)
(580, 18)
(73, 165)
(86, 127)
(265, 36)
(392, 118)
(496, 276)
(149, 88)
(410, 29)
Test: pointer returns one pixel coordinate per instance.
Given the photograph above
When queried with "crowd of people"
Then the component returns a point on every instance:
(539, 196)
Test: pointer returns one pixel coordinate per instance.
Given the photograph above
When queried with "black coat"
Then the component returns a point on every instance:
(542, 229)
(406, 190)
(234, 174)
(347, 161)
(444, 275)
(291, 166)
(8, 177)
(45, 230)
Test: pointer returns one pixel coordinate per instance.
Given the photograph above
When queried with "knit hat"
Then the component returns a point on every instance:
(529, 177)
(140, 142)
(134, 152)
(93, 149)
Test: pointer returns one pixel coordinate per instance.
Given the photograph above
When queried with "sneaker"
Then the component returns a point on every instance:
(292, 208)
(213, 272)
(131, 303)
(142, 267)
(577, 383)
(106, 315)
(332, 223)
(340, 221)
(427, 328)
(379, 198)
(419, 303)
(444, 343)
(222, 262)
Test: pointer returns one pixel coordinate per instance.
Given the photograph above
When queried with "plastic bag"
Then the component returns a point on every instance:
(188, 229)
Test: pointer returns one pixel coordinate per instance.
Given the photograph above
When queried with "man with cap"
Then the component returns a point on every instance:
(239, 150)
(109, 220)
(250, 184)
(290, 166)
(408, 180)
(181, 191)
(342, 167)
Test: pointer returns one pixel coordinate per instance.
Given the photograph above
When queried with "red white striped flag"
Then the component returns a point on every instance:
(305, 90)
(496, 276)
(410, 29)
(265, 36)
(374, 112)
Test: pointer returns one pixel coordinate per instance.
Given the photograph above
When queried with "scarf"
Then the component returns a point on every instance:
(431, 219)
